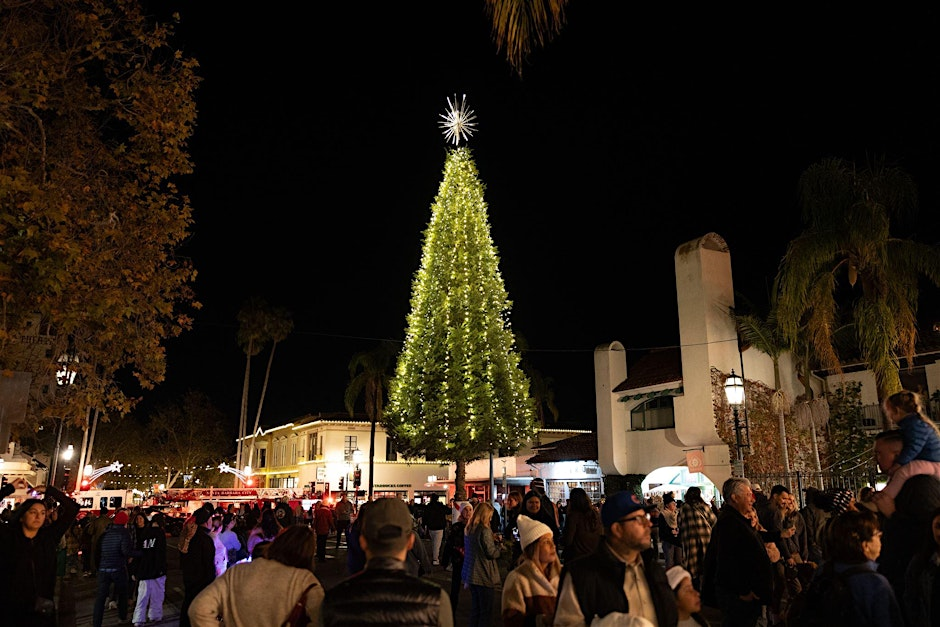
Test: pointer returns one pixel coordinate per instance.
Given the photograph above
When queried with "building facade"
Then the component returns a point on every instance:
(328, 454)
(663, 415)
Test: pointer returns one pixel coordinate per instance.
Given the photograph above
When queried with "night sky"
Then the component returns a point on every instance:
(318, 155)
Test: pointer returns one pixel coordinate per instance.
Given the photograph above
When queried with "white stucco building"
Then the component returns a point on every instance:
(664, 415)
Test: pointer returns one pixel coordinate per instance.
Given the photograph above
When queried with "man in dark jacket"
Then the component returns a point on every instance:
(197, 563)
(596, 584)
(435, 519)
(115, 550)
(28, 557)
(150, 571)
(741, 569)
(384, 593)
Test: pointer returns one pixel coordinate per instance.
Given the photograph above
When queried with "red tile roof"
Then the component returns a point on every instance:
(658, 367)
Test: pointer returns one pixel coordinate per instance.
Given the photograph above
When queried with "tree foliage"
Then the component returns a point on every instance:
(258, 325)
(847, 269)
(765, 334)
(188, 435)
(96, 111)
(458, 390)
(521, 26)
(369, 375)
(849, 447)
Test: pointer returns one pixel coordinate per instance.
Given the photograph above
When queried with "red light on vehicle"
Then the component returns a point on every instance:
(250, 482)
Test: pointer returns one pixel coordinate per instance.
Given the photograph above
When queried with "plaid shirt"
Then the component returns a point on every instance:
(695, 530)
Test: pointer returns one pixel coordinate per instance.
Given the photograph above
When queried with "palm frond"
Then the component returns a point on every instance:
(521, 26)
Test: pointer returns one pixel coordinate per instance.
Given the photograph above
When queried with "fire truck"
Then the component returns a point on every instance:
(93, 500)
(193, 498)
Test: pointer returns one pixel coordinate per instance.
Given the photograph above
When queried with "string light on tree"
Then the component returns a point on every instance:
(458, 121)
(459, 391)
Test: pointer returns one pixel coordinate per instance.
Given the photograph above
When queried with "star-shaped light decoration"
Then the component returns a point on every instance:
(458, 121)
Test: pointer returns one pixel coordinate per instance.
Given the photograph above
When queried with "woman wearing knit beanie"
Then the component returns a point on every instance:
(530, 589)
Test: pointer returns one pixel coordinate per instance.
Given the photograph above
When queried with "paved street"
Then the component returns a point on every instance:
(77, 594)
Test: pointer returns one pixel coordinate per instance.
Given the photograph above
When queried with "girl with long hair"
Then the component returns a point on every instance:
(480, 567)
(582, 525)
(531, 588)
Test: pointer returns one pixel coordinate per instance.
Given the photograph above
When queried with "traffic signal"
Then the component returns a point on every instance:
(342, 483)
(357, 478)
(4, 482)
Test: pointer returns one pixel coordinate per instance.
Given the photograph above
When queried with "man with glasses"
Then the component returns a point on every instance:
(622, 576)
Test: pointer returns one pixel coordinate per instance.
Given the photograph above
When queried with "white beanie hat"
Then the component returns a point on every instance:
(530, 530)
(675, 575)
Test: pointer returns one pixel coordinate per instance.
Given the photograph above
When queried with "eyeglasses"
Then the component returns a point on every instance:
(643, 517)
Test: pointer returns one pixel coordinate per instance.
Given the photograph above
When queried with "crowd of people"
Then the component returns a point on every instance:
(868, 558)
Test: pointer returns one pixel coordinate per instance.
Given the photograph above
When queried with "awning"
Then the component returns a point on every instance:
(648, 395)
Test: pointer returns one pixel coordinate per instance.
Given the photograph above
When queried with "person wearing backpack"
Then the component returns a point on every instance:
(847, 589)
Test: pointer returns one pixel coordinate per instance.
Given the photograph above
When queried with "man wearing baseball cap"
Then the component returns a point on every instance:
(383, 593)
(622, 576)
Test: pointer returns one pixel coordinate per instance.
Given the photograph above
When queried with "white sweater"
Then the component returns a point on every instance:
(260, 593)
(528, 592)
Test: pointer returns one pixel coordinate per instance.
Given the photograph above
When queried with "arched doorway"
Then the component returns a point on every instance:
(678, 479)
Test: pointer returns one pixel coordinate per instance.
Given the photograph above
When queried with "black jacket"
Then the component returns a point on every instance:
(151, 542)
(198, 563)
(382, 594)
(115, 548)
(740, 563)
(28, 566)
(598, 582)
(435, 516)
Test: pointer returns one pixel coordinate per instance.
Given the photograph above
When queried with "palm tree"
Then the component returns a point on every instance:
(251, 338)
(765, 335)
(847, 261)
(521, 26)
(277, 326)
(369, 374)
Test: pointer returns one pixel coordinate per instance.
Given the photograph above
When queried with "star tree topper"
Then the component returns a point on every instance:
(458, 121)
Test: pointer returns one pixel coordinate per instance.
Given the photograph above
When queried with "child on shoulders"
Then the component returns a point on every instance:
(920, 452)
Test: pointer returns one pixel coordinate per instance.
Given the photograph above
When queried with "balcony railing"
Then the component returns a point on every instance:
(873, 420)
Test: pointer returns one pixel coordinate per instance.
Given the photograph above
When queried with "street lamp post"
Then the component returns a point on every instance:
(64, 376)
(734, 392)
(67, 456)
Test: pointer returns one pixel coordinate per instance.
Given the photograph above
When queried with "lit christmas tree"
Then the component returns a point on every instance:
(458, 391)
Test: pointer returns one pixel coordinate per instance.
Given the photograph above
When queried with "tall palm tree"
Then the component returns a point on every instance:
(764, 334)
(847, 261)
(277, 326)
(369, 374)
(521, 26)
(251, 338)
